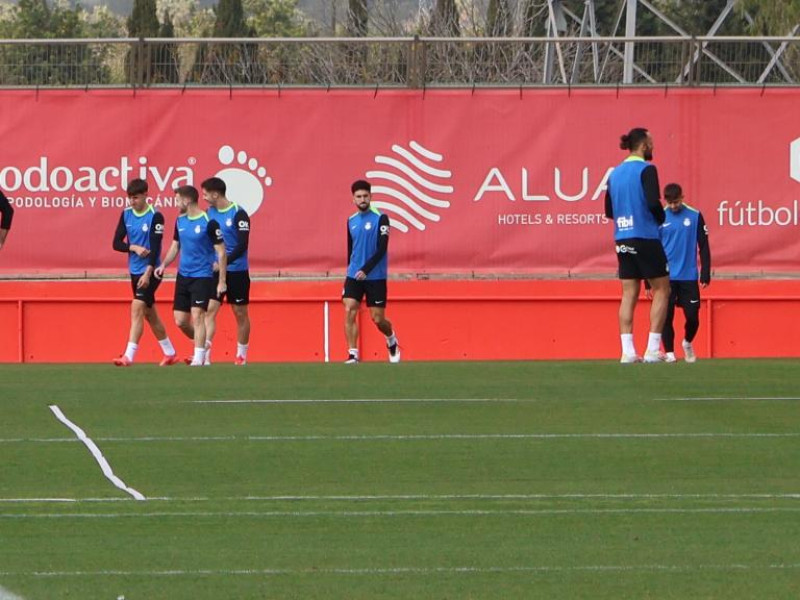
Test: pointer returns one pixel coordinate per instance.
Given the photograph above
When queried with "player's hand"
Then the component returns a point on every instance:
(139, 251)
(222, 287)
(361, 276)
(159, 272)
(143, 282)
(705, 285)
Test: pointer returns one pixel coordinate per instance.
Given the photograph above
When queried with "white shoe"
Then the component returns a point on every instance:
(688, 352)
(629, 359)
(670, 357)
(654, 357)
(394, 353)
(351, 360)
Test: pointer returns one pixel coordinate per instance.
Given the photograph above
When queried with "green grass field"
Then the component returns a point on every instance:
(445, 480)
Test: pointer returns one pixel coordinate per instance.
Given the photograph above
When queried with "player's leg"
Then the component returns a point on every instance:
(182, 306)
(668, 333)
(242, 315)
(156, 324)
(211, 326)
(201, 290)
(160, 333)
(214, 305)
(351, 299)
(627, 307)
(654, 267)
(690, 303)
(136, 328)
(239, 298)
(630, 280)
(376, 301)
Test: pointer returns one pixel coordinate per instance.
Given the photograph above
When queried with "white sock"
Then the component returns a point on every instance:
(241, 350)
(685, 343)
(353, 352)
(654, 343)
(130, 350)
(166, 346)
(391, 339)
(199, 356)
(627, 344)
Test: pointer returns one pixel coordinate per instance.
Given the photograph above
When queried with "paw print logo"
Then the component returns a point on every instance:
(245, 179)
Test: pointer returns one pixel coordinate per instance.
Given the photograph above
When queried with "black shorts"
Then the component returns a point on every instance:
(374, 289)
(193, 292)
(148, 294)
(640, 258)
(238, 283)
(685, 294)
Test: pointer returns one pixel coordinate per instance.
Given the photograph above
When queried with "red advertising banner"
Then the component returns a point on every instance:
(484, 182)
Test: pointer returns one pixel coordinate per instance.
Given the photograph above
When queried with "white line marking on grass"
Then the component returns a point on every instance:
(358, 400)
(6, 595)
(465, 570)
(722, 399)
(414, 497)
(98, 456)
(371, 514)
(422, 437)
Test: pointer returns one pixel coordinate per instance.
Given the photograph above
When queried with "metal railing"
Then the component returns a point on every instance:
(417, 62)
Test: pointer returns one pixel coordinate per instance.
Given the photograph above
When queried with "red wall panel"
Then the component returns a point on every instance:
(435, 320)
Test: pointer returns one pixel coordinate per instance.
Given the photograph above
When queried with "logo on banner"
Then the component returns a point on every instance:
(794, 159)
(246, 180)
(413, 189)
(750, 213)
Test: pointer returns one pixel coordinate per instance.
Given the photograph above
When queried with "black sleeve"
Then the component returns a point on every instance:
(383, 244)
(349, 245)
(175, 236)
(242, 235)
(705, 250)
(214, 232)
(7, 211)
(609, 204)
(652, 193)
(119, 243)
(156, 238)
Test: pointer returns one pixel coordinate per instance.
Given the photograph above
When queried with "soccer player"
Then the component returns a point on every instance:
(684, 232)
(6, 216)
(143, 228)
(235, 225)
(633, 203)
(197, 238)
(367, 269)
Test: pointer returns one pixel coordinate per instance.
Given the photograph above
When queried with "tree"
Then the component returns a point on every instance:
(165, 54)
(230, 20)
(498, 18)
(357, 18)
(444, 20)
(276, 18)
(143, 20)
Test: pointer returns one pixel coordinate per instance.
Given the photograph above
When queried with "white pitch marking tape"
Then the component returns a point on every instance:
(98, 456)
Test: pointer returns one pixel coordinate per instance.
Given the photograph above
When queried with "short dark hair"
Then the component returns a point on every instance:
(672, 191)
(633, 139)
(214, 184)
(136, 186)
(188, 191)
(361, 184)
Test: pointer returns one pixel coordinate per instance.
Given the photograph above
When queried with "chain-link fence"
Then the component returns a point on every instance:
(400, 62)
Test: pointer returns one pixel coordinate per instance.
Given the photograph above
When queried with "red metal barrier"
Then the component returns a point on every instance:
(88, 321)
